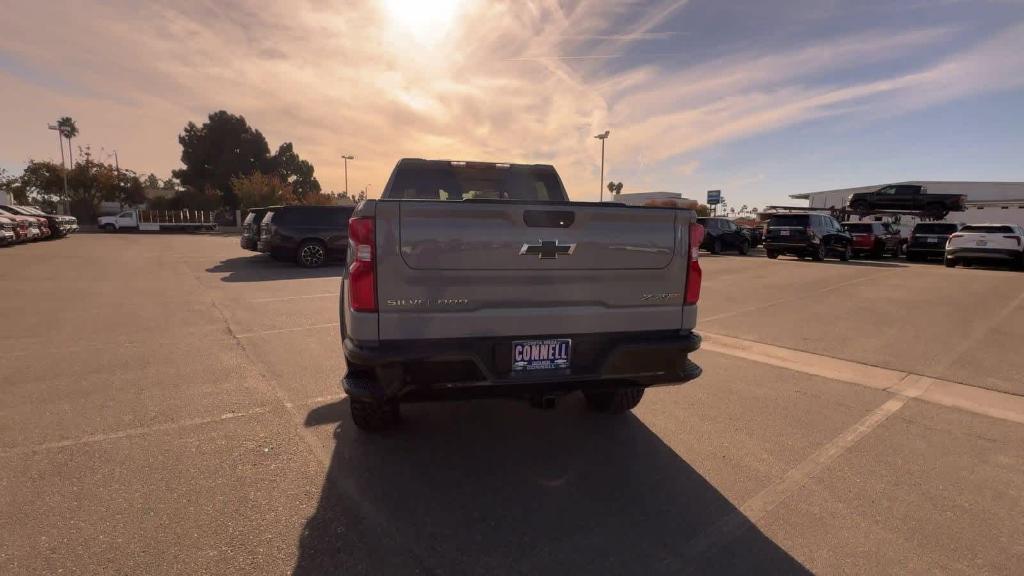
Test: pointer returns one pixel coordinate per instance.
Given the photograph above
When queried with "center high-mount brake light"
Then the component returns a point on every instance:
(693, 271)
(362, 269)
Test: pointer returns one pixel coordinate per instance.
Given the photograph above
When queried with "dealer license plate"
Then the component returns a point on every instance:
(541, 354)
(783, 232)
(933, 240)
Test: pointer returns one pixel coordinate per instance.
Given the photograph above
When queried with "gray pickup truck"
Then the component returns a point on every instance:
(471, 279)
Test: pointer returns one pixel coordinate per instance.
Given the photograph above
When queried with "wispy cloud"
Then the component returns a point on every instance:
(504, 80)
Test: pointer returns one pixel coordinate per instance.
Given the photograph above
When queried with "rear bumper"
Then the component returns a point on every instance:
(984, 253)
(472, 367)
(789, 247)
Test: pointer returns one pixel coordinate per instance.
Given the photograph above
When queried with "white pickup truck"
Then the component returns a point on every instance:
(154, 220)
(986, 242)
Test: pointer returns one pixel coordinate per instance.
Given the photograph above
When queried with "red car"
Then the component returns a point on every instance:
(25, 228)
(874, 238)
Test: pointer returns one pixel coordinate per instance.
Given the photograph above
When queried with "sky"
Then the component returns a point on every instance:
(757, 99)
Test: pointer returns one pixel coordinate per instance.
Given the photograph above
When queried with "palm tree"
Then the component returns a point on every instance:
(743, 209)
(69, 130)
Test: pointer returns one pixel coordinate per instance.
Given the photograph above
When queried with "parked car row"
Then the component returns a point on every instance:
(819, 236)
(20, 224)
(310, 236)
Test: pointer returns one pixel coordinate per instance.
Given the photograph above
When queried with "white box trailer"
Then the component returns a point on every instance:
(158, 220)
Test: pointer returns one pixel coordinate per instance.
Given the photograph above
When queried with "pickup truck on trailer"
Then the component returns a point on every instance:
(907, 198)
(475, 279)
(153, 220)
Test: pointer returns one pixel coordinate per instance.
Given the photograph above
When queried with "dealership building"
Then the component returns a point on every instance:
(987, 202)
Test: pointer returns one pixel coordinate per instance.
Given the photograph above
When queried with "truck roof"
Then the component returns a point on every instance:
(447, 162)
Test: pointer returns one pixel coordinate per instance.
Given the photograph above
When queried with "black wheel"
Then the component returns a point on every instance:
(819, 254)
(311, 254)
(860, 206)
(716, 246)
(744, 247)
(614, 401)
(878, 251)
(949, 262)
(374, 415)
(109, 227)
(847, 254)
(772, 254)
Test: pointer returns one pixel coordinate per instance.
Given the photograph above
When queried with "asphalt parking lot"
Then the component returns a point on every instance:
(171, 405)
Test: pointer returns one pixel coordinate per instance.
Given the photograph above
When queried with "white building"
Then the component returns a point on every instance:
(995, 202)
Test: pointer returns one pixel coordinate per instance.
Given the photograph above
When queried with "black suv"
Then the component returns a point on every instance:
(929, 239)
(723, 234)
(251, 228)
(309, 235)
(803, 235)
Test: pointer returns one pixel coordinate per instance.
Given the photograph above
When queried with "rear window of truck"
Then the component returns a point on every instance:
(476, 182)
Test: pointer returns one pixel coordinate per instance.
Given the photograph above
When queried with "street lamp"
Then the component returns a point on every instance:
(602, 138)
(347, 158)
(60, 139)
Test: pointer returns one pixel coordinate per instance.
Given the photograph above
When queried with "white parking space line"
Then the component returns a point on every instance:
(132, 432)
(762, 503)
(280, 330)
(280, 298)
(936, 391)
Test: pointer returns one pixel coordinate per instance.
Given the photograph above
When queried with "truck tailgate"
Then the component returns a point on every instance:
(465, 269)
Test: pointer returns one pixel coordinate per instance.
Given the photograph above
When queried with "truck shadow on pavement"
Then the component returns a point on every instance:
(262, 268)
(496, 487)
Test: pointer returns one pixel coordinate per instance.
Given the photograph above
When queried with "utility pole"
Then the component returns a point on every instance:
(64, 168)
(602, 138)
(347, 158)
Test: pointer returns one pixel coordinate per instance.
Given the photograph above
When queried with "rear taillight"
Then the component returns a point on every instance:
(1017, 238)
(693, 272)
(362, 281)
(956, 235)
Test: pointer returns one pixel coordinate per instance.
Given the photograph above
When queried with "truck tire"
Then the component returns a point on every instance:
(311, 254)
(716, 246)
(949, 262)
(819, 254)
(374, 415)
(846, 254)
(771, 254)
(615, 401)
(744, 247)
(109, 228)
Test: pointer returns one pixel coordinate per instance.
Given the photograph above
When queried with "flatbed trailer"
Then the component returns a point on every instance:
(159, 220)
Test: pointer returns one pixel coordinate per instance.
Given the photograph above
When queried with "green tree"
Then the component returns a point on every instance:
(255, 190)
(295, 171)
(703, 211)
(41, 182)
(223, 148)
(615, 187)
(151, 181)
(68, 129)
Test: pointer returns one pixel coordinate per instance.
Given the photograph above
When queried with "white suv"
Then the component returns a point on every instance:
(992, 242)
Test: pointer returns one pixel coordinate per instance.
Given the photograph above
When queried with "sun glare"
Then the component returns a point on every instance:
(425, 20)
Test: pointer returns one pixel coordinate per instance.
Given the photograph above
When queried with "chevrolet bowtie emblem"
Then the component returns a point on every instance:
(547, 249)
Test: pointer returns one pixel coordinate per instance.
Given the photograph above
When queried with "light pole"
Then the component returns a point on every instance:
(347, 158)
(64, 169)
(602, 138)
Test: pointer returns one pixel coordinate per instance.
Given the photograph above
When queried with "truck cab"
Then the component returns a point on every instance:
(126, 219)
